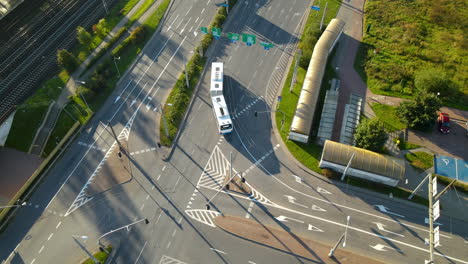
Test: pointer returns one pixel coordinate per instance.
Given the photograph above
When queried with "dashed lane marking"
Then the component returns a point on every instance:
(91, 146)
(217, 250)
(50, 236)
(238, 114)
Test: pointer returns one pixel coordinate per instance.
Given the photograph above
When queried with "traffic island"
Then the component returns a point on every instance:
(236, 185)
(286, 242)
(114, 170)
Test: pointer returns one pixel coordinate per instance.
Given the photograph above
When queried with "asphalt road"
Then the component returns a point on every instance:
(173, 194)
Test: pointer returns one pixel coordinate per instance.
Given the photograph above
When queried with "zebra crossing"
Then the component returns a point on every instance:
(238, 114)
(169, 260)
(203, 216)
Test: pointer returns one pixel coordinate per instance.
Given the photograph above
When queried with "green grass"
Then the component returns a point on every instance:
(141, 10)
(388, 115)
(412, 36)
(100, 256)
(30, 114)
(404, 145)
(420, 160)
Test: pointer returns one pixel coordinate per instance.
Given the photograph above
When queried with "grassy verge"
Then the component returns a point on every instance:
(180, 95)
(413, 37)
(420, 160)
(388, 115)
(141, 10)
(404, 145)
(30, 114)
(307, 154)
(100, 256)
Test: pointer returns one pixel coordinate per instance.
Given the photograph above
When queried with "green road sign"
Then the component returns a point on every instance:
(249, 39)
(204, 30)
(216, 32)
(233, 37)
(267, 46)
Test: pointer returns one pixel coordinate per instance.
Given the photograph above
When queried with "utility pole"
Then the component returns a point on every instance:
(115, 137)
(230, 165)
(332, 251)
(433, 196)
(323, 16)
(101, 246)
(116, 67)
(293, 80)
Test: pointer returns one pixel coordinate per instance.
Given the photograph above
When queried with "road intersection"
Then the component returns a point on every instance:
(173, 194)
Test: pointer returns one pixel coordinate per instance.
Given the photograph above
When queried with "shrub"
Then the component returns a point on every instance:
(83, 36)
(433, 80)
(67, 60)
(421, 112)
(371, 135)
(138, 35)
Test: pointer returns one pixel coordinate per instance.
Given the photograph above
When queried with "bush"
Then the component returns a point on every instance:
(138, 35)
(67, 60)
(371, 135)
(433, 80)
(421, 112)
(83, 36)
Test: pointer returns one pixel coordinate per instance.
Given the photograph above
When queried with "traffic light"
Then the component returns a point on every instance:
(255, 114)
(146, 221)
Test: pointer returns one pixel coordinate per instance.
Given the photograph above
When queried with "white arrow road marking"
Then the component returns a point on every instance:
(385, 210)
(314, 228)
(283, 218)
(320, 190)
(298, 179)
(426, 221)
(117, 99)
(316, 208)
(382, 227)
(133, 102)
(293, 201)
(381, 247)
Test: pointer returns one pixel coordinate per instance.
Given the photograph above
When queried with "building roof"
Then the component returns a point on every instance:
(364, 160)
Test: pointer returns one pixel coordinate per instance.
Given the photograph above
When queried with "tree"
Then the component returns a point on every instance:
(371, 135)
(83, 36)
(67, 60)
(421, 112)
(433, 80)
(100, 28)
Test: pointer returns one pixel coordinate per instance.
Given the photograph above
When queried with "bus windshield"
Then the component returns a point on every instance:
(224, 127)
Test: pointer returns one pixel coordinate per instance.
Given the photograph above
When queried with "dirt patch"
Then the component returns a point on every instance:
(287, 242)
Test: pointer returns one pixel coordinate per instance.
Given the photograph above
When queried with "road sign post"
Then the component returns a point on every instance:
(249, 39)
(216, 32)
(233, 37)
(204, 30)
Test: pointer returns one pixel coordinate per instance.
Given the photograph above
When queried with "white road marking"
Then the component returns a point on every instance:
(381, 227)
(293, 201)
(283, 218)
(33, 261)
(381, 247)
(142, 206)
(314, 228)
(139, 255)
(217, 250)
(180, 23)
(385, 210)
(159, 176)
(50, 236)
(147, 196)
(168, 244)
(317, 208)
(251, 262)
(164, 168)
(174, 232)
(180, 220)
(40, 250)
(183, 29)
(426, 221)
(188, 10)
(203, 10)
(59, 223)
(197, 19)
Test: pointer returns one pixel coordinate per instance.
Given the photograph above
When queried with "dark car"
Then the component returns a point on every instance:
(443, 122)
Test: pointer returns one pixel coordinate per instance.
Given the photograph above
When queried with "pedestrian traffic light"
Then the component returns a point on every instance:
(146, 221)
(255, 114)
(207, 207)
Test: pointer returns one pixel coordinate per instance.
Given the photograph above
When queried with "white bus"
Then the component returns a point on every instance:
(223, 119)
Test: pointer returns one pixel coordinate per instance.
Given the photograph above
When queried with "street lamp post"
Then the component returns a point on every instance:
(15, 205)
(102, 247)
(332, 251)
(82, 97)
(84, 248)
(115, 63)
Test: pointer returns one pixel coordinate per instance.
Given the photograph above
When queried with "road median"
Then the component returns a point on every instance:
(286, 242)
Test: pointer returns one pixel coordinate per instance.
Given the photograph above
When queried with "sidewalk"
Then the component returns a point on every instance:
(287, 242)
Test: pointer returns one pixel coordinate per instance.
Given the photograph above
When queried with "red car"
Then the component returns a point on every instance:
(443, 122)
